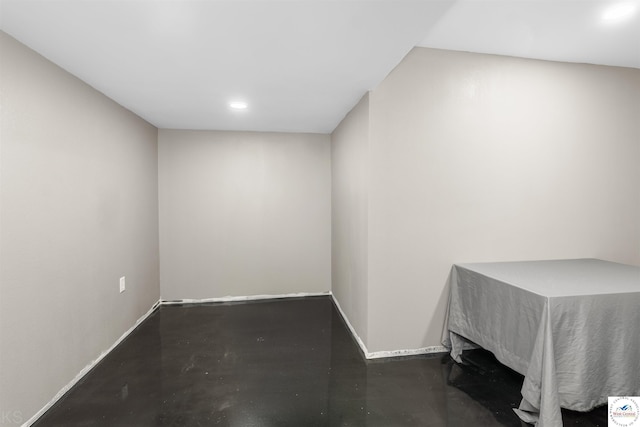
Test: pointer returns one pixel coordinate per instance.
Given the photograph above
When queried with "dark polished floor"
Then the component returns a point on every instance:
(283, 363)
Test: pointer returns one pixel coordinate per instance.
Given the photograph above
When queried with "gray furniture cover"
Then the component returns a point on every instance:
(571, 327)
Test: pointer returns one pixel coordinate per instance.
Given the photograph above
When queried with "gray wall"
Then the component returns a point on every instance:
(486, 158)
(349, 196)
(244, 213)
(78, 210)
(455, 157)
(473, 158)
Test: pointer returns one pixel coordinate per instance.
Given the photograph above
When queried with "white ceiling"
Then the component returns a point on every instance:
(301, 65)
(557, 30)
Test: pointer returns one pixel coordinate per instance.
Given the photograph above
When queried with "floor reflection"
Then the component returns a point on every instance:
(282, 363)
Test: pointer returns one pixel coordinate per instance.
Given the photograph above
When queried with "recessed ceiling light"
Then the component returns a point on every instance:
(238, 105)
(619, 11)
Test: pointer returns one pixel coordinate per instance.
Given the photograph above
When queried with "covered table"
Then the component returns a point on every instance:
(571, 327)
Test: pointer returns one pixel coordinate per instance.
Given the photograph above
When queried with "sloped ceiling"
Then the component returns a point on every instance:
(300, 65)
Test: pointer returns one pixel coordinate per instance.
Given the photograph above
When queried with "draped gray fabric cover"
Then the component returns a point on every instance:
(571, 327)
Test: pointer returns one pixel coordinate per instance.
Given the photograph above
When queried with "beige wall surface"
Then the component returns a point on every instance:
(483, 158)
(78, 210)
(455, 157)
(349, 190)
(244, 213)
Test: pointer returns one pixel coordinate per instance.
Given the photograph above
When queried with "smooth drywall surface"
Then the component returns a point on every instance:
(78, 210)
(349, 207)
(244, 213)
(484, 158)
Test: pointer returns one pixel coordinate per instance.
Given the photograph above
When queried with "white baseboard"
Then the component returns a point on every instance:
(245, 298)
(384, 354)
(354, 334)
(410, 352)
(87, 368)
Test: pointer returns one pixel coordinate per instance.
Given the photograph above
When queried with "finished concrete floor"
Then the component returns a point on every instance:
(285, 362)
